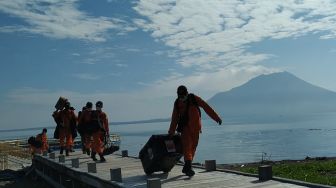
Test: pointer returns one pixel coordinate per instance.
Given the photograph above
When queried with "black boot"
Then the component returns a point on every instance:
(187, 169)
(93, 156)
(67, 152)
(88, 152)
(61, 150)
(102, 159)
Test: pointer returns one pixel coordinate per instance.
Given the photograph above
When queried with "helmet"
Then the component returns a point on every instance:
(67, 105)
(88, 105)
(99, 104)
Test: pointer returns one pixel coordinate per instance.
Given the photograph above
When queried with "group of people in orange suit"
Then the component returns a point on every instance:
(91, 124)
(93, 127)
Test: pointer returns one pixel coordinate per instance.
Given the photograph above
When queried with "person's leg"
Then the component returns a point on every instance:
(188, 151)
(61, 140)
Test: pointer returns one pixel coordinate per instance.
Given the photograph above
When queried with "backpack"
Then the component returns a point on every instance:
(95, 123)
(183, 117)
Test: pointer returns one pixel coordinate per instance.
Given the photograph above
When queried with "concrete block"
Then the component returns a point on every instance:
(116, 174)
(153, 183)
(61, 158)
(124, 153)
(210, 165)
(265, 172)
(75, 163)
(52, 155)
(92, 167)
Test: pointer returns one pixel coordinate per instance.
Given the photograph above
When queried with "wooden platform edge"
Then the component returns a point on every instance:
(61, 176)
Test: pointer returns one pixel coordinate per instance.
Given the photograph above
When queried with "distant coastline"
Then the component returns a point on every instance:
(111, 123)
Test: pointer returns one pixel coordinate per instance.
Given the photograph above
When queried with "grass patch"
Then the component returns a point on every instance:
(321, 171)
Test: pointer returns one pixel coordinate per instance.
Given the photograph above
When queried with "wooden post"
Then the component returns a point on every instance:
(116, 174)
(124, 153)
(75, 163)
(265, 172)
(210, 165)
(92, 167)
(154, 183)
(61, 158)
(52, 155)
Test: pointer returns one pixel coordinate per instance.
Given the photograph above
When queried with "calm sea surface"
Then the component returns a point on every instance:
(236, 143)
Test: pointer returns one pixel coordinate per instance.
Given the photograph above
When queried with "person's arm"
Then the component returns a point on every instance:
(173, 123)
(211, 113)
(106, 125)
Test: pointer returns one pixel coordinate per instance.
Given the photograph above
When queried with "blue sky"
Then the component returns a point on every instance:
(133, 54)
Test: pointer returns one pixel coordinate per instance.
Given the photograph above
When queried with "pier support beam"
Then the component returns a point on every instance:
(116, 174)
(75, 163)
(154, 183)
(92, 167)
(52, 155)
(61, 158)
(210, 165)
(124, 153)
(265, 172)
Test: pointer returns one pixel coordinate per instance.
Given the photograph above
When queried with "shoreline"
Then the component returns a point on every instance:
(236, 166)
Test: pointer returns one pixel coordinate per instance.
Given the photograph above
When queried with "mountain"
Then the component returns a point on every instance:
(274, 96)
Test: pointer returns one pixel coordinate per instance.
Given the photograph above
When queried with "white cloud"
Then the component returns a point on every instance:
(86, 76)
(217, 33)
(60, 19)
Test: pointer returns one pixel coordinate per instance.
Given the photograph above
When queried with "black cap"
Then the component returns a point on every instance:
(182, 90)
(99, 104)
(88, 105)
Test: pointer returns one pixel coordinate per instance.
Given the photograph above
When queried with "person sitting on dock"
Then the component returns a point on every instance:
(186, 119)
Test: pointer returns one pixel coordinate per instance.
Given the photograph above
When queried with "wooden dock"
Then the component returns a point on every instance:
(62, 174)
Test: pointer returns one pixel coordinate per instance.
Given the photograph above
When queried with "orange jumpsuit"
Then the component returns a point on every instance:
(190, 133)
(98, 137)
(44, 139)
(66, 116)
(84, 121)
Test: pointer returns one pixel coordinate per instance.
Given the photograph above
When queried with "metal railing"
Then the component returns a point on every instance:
(19, 148)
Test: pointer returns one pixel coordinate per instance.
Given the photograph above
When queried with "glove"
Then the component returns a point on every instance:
(219, 121)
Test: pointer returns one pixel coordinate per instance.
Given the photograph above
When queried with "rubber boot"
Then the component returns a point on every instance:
(61, 150)
(93, 156)
(67, 152)
(102, 159)
(187, 169)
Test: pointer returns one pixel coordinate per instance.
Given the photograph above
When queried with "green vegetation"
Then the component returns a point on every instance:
(314, 171)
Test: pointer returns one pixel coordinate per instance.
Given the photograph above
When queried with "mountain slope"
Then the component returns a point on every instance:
(277, 94)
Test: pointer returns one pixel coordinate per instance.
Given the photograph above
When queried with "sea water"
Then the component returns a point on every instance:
(313, 136)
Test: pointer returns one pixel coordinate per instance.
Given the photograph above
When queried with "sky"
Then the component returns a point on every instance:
(132, 54)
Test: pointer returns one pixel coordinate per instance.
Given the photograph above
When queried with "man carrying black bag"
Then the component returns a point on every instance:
(186, 119)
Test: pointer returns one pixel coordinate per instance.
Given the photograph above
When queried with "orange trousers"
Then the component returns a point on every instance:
(189, 139)
(98, 144)
(65, 138)
(87, 141)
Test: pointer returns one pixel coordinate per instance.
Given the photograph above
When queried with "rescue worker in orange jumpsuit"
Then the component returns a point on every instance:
(67, 117)
(186, 119)
(99, 135)
(84, 122)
